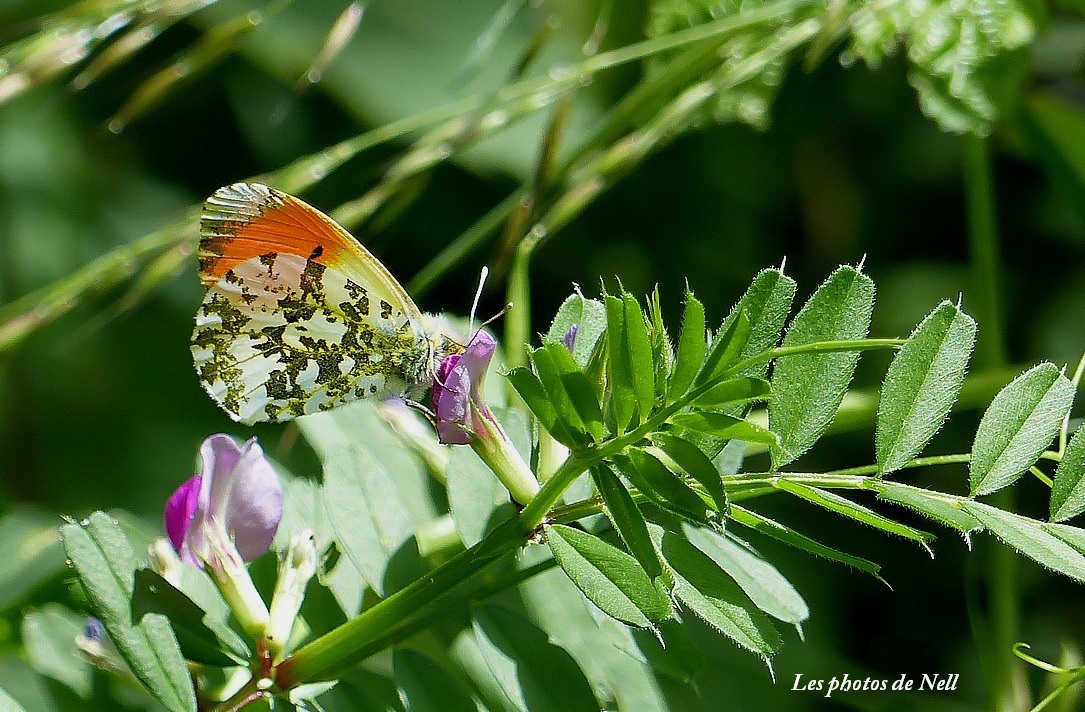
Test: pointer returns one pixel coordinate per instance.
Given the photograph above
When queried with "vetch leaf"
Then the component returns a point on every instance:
(476, 498)
(49, 635)
(425, 686)
(808, 388)
(1073, 536)
(8, 703)
(703, 588)
(741, 390)
(569, 389)
(590, 318)
(627, 520)
(929, 504)
(725, 426)
(608, 577)
(530, 388)
(640, 356)
(534, 674)
(766, 304)
(1068, 492)
(370, 519)
(691, 460)
(841, 505)
(726, 347)
(691, 348)
(1031, 538)
(664, 487)
(1019, 424)
(106, 566)
(789, 536)
(623, 395)
(759, 579)
(922, 384)
(202, 637)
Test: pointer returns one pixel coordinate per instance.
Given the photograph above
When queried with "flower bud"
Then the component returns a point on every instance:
(296, 567)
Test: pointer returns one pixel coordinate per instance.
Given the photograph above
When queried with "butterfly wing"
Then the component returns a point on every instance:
(280, 336)
(247, 220)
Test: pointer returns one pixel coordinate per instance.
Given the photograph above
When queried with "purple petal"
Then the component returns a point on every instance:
(255, 504)
(569, 339)
(457, 385)
(180, 509)
(220, 455)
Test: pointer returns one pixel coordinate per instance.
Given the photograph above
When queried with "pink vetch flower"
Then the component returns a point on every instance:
(463, 418)
(236, 498)
(225, 516)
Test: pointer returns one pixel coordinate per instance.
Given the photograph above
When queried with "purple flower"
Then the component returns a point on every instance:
(235, 503)
(463, 418)
(457, 391)
(569, 338)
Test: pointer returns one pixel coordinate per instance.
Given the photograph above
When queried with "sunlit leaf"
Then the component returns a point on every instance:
(704, 589)
(49, 634)
(930, 504)
(1030, 538)
(665, 488)
(106, 565)
(691, 348)
(640, 356)
(922, 384)
(1018, 425)
(843, 506)
(426, 686)
(590, 318)
(1068, 492)
(623, 395)
(691, 460)
(608, 577)
(808, 388)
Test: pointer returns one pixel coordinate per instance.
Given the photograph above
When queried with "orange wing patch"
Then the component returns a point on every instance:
(247, 220)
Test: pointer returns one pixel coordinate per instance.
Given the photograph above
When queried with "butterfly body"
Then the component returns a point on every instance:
(311, 324)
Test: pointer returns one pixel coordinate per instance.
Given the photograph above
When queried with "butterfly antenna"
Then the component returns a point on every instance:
(478, 295)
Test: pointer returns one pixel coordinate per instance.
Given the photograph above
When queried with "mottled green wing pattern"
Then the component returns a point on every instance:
(280, 336)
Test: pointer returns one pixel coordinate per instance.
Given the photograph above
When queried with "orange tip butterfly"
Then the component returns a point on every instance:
(299, 317)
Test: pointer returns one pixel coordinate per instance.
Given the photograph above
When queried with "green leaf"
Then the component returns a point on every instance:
(692, 460)
(426, 686)
(759, 579)
(726, 347)
(627, 520)
(530, 388)
(662, 349)
(640, 356)
(929, 504)
(789, 536)
(608, 577)
(662, 486)
(476, 498)
(1030, 538)
(49, 635)
(1068, 492)
(370, 519)
(8, 703)
(725, 426)
(534, 675)
(1073, 536)
(741, 390)
(841, 505)
(203, 638)
(31, 551)
(605, 649)
(623, 394)
(766, 304)
(808, 388)
(590, 318)
(922, 384)
(1019, 424)
(691, 348)
(106, 566)
(703, 588)
(569, 390)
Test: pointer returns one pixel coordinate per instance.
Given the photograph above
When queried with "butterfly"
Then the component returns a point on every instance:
(299, 317)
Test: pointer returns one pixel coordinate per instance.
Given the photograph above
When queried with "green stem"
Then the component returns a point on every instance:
(1006, 679)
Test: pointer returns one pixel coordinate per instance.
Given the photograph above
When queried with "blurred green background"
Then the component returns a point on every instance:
(102, 410)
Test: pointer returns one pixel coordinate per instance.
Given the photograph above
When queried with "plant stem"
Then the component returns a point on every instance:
(1005, 673)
